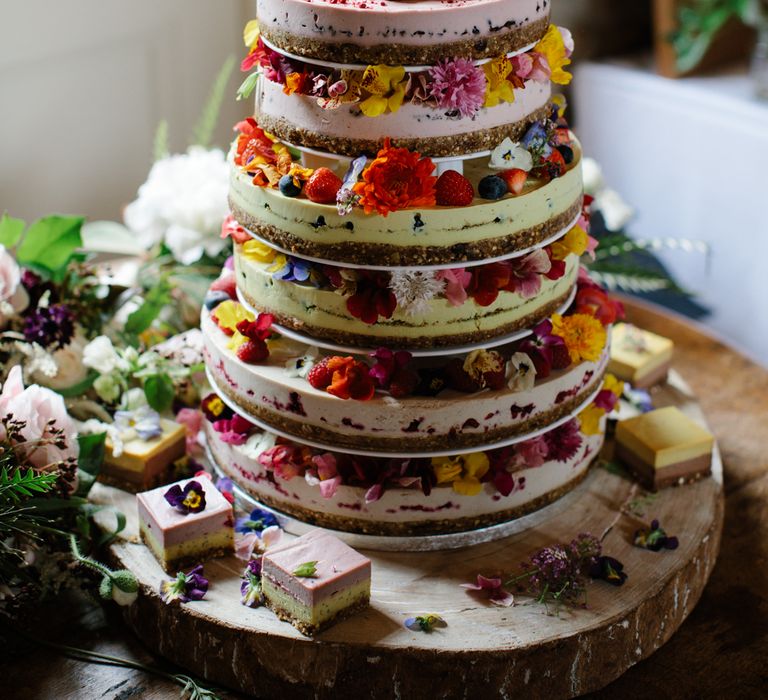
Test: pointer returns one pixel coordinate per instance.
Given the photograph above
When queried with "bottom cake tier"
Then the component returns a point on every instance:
(405, 497)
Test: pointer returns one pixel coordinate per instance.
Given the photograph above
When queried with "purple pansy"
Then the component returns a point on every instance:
(185, 587)
(294, 270)
(258, 521)
(190, 499)
(250, 588)
(609, 570)
(655, 538)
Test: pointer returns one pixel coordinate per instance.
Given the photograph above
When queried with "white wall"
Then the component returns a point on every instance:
(84, 83)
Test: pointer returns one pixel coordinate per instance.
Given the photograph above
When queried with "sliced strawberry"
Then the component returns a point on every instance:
(515, 179)
(322, 186)
(453, 190)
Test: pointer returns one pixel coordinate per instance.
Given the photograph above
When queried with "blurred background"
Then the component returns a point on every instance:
(84, 85)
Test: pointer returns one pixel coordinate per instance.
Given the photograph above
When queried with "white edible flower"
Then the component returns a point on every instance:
(593, 176)
(521, 372)
(257, 443)
(183, 203)
(108, 387)
(509, 155)
(13, 296)
(616, 212)
(414, 289)
(301, 366)
(101, 355)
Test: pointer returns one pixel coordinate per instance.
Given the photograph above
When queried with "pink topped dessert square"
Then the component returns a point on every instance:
(185, 523)
(314, 580)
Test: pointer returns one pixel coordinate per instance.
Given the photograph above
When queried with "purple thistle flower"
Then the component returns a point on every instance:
(458, 85)
(52, 326)
(190, 499)
(185, 587)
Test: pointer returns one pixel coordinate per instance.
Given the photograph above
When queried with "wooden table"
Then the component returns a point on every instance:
(719, 651)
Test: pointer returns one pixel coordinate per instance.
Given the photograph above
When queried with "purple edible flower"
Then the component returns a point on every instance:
(250, 588)
(609, 570)
(190, 499)
(425, 623)
(294, 270)
(185, 587)
(258, 521)
(50, 326)
(537, 139)
(655, 538)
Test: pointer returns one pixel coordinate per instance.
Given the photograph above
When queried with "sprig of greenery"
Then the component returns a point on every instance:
(203, 132)
(16, 485)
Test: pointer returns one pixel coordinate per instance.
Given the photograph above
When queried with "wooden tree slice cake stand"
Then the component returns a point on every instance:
(485, 651)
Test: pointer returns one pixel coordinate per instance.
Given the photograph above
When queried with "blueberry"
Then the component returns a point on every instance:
(492, 187)
(213, 299)
(288, 187)
(567, 153)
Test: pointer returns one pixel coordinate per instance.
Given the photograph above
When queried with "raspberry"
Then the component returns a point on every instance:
(453, 190)
(253, 351)
(322, 186)
(460, 380)
(320, 376)
(560, 357)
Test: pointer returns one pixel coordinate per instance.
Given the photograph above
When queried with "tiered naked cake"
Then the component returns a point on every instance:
(405, 343)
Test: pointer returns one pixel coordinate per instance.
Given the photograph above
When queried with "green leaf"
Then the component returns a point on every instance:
(51, 242)
(11, 230)
(79, 389)
(120, 523)
(17, 485)
(159, 392)
(91, 452)
(160, 148)
(248, 86)
(154, 302)
(203, 133)
(306, 570)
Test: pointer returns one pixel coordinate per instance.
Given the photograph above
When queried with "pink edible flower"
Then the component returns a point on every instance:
(230, 228)
(531, 453)
(494, 587)
(327, 478)
(458, 84)
(233, 431)
(522, 65)
(278, 459)
(527, 272)
(456, 283)
(192, 420)
(540, 71)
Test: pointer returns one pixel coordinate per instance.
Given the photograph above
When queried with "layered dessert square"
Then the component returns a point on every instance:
(143, 463)
(639, 357)
(185, 523)
(664, 447)
(314, 580)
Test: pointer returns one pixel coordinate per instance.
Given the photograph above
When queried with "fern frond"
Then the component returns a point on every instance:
(203, 132)
(17, 485)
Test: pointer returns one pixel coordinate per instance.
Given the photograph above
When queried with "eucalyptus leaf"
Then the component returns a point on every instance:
(51, 242)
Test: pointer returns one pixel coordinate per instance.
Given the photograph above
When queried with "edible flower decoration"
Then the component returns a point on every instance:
(343, 377)
(501, 81)
(261, 155)
(425, 623)
(386, 87)
(230, 228)
(584, 336)
(563, 442)
(234, 430)
(575, 242)
(655, 538)
(142, 421)
(258, 252)
(557, 55)
(545, 348)
(185, 587)
(229, 314)
(251, 594)
(372, 297)
(214, 408)
(250, 339)
(509, 155)
(463, 472)
(392, 372)
(457, 84)
(592, 300)
(609, 570)
(396, 179)
(604, 403)
(190, 499)
(493, 588)
(414, 289)
(346, 198)
(288, 269)
(257, 520)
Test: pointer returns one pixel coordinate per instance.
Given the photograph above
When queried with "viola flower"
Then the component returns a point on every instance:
(248, 544)
(346, 198)
(350, 379)
(458, 85)
(396, 179)
(233, 431)
(584, 336)
(564, 442)
(185, 587)
(257, 521)
(250, 589)
(190, 499)
(386, 86)
(414, 289)
(536, 140)
(230, 228)
(553, 48)
(526, 273)
(214, 408)
(494, 589)
(51, 327)
(288, 269)
(456, 283)
(388, 363)
(500, 82)
(372, 297)
(521, 372)
(302, 366)
(539, 346)
(655, 538)
(609, 570)
(425, 623)
(509, 155)
(142, 421)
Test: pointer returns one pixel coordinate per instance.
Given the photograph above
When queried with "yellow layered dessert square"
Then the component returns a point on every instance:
(664, 447)
(186, 523)
(314, 580)
(639, 357)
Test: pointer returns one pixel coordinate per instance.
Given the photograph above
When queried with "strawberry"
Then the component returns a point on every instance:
(253, 351)
(320, 377)
(459, 379)
(225, 284)
(560, 357)
(322, 186)
(453, 190)
(515, 179)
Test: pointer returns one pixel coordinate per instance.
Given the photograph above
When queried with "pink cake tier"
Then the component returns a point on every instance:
(403, 497)
(388, 31)
(270, 392)
(322, 312)
(427, 235)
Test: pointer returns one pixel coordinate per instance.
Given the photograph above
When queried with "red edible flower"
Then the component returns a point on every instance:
(373, 298)
(351, 379)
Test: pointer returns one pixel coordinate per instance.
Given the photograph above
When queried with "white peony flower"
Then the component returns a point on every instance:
(101, 355)
(183, 203)
(509, 155)
(521, 372)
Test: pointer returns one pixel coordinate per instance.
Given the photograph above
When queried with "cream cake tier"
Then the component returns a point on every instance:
(271, 392)
(323, 313)
(393, 32)
(432, 235)
(367, 495)
(434, 132)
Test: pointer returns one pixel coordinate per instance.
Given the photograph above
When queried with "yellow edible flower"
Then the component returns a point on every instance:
(498, 88)
(584, 336)
(229, 313)
(476, 466)
(552, 47)
(258, 252)
(236, 341)
(280, 261)
(589, 419)
(386, 85)
(251, 34)
(613, 385)
(446, 470)
(574, 242)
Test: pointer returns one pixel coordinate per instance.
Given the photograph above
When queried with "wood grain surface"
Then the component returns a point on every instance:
(718, 652)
